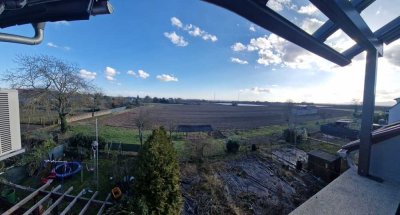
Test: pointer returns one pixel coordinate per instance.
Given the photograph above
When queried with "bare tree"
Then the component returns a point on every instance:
(142, 121)
(58, 80)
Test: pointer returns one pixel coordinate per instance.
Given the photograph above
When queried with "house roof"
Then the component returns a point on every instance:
(323, 155)
(194, 128)
(378, 136)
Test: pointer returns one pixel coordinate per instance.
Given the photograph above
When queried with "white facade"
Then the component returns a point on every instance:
(394, 113)
(10, 134)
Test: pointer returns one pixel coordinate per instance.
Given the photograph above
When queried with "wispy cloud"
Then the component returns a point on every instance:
(252, 28)
(176, 39)
(279, 5)
(142, 74)
(239, 61)
(193, 30)
(166, 78)
(110, 73)
(131, 73)
(64, 22)
(87, 74)
(256, 90)
(53, 45)
(176, 22)
(309, 9)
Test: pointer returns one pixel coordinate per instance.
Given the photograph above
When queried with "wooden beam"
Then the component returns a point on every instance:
(104, 205)
(41, 201)
(72, 203)
(53, 194)
(57, 202)
(27, 199)
(88, 203)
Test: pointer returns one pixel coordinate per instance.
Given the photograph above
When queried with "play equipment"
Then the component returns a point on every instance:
(68, 169)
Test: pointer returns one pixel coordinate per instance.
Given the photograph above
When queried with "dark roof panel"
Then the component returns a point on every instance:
(323, 155)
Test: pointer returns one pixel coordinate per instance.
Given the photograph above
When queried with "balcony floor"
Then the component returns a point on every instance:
(353, 194)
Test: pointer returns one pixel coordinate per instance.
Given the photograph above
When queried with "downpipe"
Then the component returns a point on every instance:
(35, 40)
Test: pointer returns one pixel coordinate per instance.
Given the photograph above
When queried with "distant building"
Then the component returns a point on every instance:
(394, 112)
(324, 165)
(341, 128)
(304, 110)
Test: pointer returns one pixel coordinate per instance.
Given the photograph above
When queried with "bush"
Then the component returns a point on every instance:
(34, 158)
(289, 135)
(85, 141)
(232, 146)
(156, 184)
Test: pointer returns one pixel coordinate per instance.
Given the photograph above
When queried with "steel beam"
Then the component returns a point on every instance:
(260, 14)
(367, 113)
(387, 34)
(328, 28)
(343, 14)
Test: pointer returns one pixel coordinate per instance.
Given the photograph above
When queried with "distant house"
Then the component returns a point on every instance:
(394, 112)
(303, 110)
(341, 128)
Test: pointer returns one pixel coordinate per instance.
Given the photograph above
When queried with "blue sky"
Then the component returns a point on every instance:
(192, 49)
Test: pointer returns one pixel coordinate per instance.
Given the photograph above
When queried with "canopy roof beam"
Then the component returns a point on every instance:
(343, 14)
(329, 27)
(258, 13)
(387, 34)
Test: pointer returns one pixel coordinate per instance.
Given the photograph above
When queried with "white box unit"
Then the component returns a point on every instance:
(10, 132)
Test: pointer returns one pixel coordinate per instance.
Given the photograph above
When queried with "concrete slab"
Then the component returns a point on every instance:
(352, 194)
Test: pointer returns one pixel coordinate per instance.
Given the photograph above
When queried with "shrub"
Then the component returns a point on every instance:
(232, 146)
(289, 136)
(156, 184)
(85, 141)
(34, 158)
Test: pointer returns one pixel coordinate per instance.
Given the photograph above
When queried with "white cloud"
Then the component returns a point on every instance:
(195, 31)
(239, 61)
(176, 39)
(238, 47)
(392, 53)
(50, 44)
(131, 73)
(166, 78)
(176, 22)
(252, 28)
(110, 73)
(273, 50)
(309, 9)
(256, 90)
(279, 5)
(62, 23)
(311, 24)
(142, 74)
(87, 74)
(53, 45)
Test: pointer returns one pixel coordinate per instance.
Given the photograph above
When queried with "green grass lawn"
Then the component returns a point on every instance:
(110, 134)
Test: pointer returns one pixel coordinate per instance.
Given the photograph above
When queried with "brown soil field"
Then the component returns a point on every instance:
(218, 116)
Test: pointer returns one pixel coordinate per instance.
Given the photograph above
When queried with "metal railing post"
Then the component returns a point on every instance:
(367, 112)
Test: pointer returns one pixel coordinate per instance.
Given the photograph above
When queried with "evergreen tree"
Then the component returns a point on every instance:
(156, 184)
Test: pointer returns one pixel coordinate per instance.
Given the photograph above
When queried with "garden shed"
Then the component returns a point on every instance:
(324, 165)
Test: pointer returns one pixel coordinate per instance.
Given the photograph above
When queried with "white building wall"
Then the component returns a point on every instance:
(394, 114)
(385, 160)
